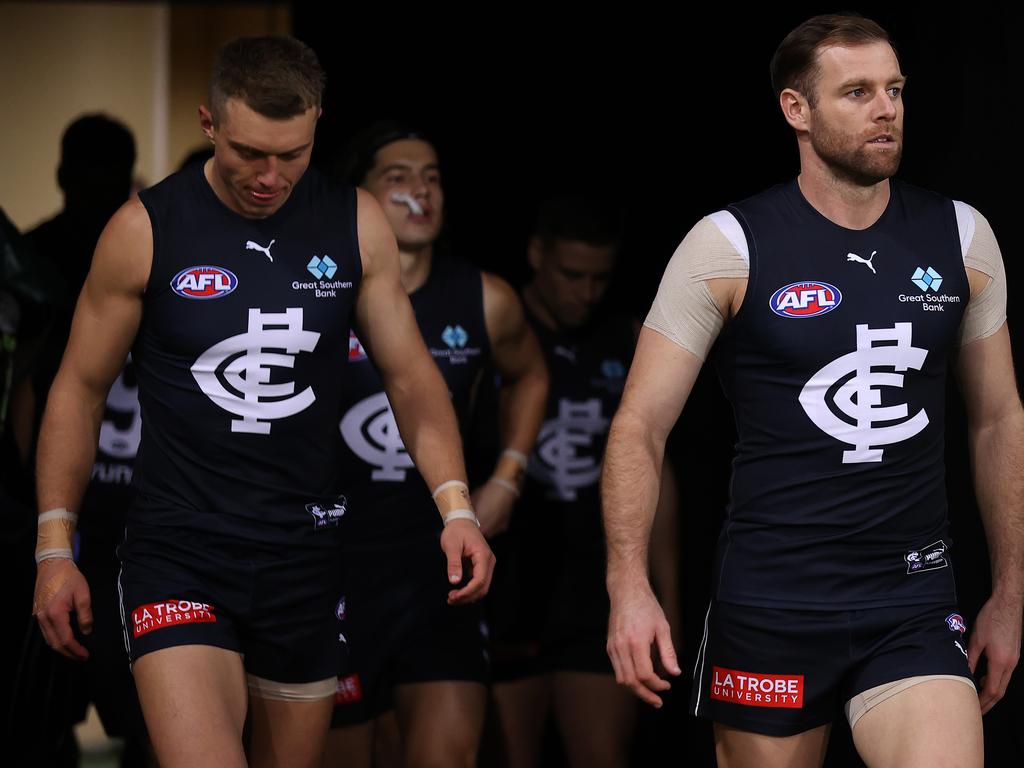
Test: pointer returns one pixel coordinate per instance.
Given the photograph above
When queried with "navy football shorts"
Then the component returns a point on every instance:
(276, 608)
(399, 628)
(781, 672)
(547, 620)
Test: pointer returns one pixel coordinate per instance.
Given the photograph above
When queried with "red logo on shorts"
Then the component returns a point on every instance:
(146, 618)
(349, 690)
(757, 690)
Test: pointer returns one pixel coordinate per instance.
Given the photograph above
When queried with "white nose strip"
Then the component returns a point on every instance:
(405, 199)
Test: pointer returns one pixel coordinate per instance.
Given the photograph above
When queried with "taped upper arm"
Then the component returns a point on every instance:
(685, 310)
(986, 310)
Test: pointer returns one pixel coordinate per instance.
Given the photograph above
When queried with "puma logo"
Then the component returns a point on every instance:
(251, 246)
(855, 257)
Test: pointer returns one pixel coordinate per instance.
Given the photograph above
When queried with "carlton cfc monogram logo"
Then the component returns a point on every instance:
(371, 433)
(859, 398)
(556, 461)
(235, 373)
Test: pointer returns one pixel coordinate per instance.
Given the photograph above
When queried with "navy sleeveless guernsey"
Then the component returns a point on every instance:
(381, 482)
(587, 370)
(240, 359)
(836, 369)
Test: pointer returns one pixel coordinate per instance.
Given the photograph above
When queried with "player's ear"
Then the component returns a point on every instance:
(795, 109)
(206, 122)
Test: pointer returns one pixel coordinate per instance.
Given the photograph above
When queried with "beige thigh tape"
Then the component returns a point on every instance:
(269, 689)
(862, 703)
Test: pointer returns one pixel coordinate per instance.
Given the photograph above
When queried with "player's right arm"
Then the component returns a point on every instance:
(106, 321)
(660, 380)
(418, 397)
(703, 286)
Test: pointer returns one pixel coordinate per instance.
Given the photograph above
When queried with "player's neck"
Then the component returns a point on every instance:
(841, 200)
(415, 264)
(535, 304)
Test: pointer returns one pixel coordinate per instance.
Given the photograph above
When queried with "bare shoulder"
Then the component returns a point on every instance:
(499, 293)
(124, 253)
(503, 311)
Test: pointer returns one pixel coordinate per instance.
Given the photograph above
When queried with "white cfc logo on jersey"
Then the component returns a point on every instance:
(371, 433)
(123, 403)
(556, 461)
(859, 398)
(235, 373)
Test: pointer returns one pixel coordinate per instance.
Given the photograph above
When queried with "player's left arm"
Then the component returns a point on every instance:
(517, 357)
(418, 395)
(996, 440)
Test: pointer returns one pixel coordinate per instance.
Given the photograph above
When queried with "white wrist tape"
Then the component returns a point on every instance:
(56, 528)
(519, 456)
(54, 553)
(461, 514)
(452, 499)
(450, 484)
(508, 486)
(60, 513)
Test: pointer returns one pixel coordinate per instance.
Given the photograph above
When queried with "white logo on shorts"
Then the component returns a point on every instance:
(371, 433)
(859, 399)
(235, 373)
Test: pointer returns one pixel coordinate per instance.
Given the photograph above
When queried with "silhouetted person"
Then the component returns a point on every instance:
(95, 175)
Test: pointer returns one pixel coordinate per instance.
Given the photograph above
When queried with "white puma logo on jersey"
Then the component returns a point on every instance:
(855, 257)
(251, 246)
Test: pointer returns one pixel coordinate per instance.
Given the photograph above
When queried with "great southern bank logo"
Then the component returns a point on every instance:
(926, 279)
(809, 298)
(455, 337)
(204, 282)
(322, 267)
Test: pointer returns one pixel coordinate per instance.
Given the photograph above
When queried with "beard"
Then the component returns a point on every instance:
(852, 159)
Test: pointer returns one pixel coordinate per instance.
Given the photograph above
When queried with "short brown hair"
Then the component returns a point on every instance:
(795, 63)
(277, 77)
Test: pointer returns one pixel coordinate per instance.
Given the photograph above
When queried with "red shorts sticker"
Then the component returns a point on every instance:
(349, 690)
(168, 613)
(756, 690)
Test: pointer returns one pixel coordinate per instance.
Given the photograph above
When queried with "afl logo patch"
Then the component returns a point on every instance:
(204, 282)
(807, 299)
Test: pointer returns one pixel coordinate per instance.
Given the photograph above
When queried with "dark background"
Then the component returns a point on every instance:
(674, 116)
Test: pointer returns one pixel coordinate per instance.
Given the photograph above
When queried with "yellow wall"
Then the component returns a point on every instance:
(58, 60)
(146, 64)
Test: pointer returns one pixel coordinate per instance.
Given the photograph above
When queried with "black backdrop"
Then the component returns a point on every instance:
(673, 115)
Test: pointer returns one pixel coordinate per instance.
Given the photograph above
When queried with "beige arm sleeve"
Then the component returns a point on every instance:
(986, 312)
(684, 311)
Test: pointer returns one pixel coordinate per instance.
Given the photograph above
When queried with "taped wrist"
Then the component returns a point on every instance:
(452, 499)
(510, 471)
(54, 535)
